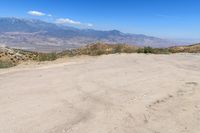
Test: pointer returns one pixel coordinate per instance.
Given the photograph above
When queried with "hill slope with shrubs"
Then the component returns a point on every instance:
(11, 57)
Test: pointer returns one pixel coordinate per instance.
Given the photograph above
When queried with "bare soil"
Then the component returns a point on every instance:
(122, 93)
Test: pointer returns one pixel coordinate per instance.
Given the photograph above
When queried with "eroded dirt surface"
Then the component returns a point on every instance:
(127, 93)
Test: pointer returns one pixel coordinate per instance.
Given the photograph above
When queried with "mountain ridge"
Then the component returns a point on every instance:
(38, 35)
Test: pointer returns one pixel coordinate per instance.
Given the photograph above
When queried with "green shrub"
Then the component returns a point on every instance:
(6, 64)
(148, 50)
(161, 51)
(118, 49)
(129, 50)
(140, 50)
(46, 57)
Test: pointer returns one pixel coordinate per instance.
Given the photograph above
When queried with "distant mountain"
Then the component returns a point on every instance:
(38, 35)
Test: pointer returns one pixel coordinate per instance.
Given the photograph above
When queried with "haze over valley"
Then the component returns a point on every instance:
(37, 35)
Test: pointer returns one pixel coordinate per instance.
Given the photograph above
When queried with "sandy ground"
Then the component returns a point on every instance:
(132, 93)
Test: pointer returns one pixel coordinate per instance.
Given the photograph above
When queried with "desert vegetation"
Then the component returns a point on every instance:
(11, 57)
(6, 64)
(186, 49)
(100, 49)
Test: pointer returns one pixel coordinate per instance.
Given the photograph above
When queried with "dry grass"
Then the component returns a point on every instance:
(186, 49)
(100, 49)
(11, 57)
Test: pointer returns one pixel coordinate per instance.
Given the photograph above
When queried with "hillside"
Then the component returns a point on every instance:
(186, 49)
(10, 57)
(37, 35)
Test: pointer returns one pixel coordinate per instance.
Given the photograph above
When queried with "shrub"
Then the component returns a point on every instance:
(129, 50)
(161, 51)
(118, 48)
(140, 50)
(46, 57)
(148, 50)
(6, 64)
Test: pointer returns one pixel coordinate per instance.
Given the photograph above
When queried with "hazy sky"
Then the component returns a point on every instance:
(162, 18)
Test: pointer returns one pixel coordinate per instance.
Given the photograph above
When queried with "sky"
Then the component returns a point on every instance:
(176, 19)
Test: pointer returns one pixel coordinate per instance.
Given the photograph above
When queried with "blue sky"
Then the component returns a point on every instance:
(161, 18)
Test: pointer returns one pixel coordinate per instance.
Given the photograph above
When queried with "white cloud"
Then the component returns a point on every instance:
(49, 15)
(36, 13)
(67, 21)
(89, 25)
(59, 20)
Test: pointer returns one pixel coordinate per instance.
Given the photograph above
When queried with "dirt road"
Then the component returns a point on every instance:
(127, 93)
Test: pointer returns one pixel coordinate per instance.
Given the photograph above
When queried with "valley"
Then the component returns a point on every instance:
(41, 36)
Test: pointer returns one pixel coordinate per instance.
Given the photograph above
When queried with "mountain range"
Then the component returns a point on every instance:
(37, 35)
